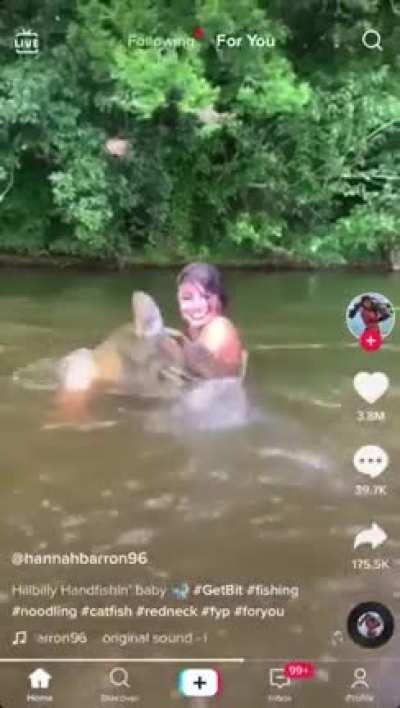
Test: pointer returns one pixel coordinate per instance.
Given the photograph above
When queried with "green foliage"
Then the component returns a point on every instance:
(257, 233)
(290, 150)
(147, 80)
(274, 91)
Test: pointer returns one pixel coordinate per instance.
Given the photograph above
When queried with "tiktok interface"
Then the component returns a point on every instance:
(199, 381)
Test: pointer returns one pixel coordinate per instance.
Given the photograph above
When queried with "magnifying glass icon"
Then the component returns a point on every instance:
(372, 39)
(119, 677)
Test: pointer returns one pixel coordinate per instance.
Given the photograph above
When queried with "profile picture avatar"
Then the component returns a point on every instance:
(370, 313)
(370, 625)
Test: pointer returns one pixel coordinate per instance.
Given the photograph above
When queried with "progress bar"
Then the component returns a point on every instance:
(208, 660)
(121, 660)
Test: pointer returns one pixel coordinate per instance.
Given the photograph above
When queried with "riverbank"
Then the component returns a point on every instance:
(266, 264)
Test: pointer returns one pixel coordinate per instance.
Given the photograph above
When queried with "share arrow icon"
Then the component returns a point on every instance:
(374, 537)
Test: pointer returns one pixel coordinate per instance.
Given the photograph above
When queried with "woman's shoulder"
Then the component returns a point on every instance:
(220, 330)
(221, 323)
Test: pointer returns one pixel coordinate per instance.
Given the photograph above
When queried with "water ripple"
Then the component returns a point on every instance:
(135, 537)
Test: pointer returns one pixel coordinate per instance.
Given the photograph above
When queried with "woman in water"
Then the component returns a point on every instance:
(371, 311)
(212, 347)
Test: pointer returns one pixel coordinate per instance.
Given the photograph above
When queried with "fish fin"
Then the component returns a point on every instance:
(78, 370)
(147, 317)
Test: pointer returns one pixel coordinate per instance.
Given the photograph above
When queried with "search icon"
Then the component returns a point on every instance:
(119, 677)
(372, 39)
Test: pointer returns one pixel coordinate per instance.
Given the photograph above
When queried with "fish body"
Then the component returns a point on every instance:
(142, 357)
(145, 359)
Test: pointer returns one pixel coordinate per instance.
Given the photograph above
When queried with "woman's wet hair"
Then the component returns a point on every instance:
(368, 298)
(206, 275)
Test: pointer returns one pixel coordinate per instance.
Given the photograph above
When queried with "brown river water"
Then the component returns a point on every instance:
(272, 501)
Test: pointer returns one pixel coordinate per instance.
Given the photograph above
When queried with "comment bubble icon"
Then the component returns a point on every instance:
(371, 460)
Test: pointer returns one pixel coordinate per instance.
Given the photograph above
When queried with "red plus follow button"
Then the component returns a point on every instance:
(371, 341)
(299, 670)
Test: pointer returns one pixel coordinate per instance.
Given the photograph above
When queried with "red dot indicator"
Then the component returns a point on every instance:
(299, 670)
(371, 341)
(198, 33)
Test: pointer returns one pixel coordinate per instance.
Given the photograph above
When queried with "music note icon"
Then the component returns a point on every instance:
(20, 638)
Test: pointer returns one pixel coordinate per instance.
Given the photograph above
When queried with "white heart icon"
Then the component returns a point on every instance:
(371, 386)
(371, 460)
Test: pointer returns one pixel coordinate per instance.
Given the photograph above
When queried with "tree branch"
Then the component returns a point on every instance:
(7, 189)
(395, 10)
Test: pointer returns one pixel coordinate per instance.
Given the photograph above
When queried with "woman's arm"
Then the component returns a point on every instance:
(200, 361)
(217, 352)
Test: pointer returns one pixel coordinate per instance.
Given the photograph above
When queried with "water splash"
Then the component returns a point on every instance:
(304, 458)
(41, 375)
(87, 427)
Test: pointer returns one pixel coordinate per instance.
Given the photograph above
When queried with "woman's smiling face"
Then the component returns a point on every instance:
(197, 307)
